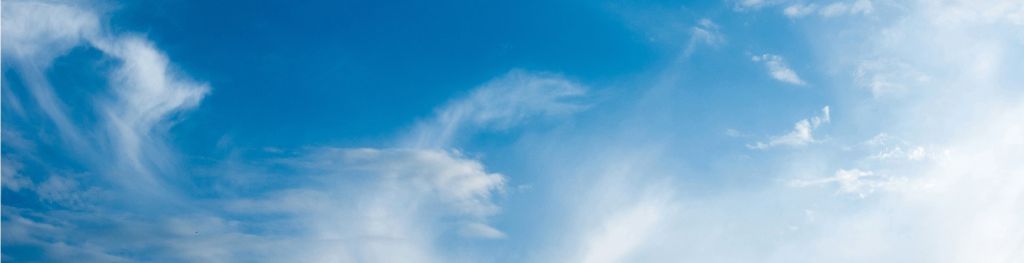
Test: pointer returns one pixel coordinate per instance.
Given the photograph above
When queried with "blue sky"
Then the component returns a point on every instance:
(528, 131)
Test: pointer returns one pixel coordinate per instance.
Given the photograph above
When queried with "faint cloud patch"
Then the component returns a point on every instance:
(834, 9)
(890, 148)
(854, 181)
(705, 32)
(802, 133)
(886, 76)
(778, 69)
(746, 5)
(516, 97)
(482, 231)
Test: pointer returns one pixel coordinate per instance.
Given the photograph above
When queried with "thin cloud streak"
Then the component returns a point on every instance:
(802, 134)
(778, 69)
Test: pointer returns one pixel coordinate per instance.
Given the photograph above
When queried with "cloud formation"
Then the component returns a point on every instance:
(378, 205)
(342, 204)
(146, 89)
(778, 69)
(834, 9)
(706, 32)
(802, 134)
(888, 77)
(854, 181)
(397, 203)
(501, 103)
(931, 175)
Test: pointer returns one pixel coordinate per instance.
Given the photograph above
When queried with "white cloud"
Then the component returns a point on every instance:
(458, 183)
(734, 133)
(886, 76)
(706, 32)
(743, 5)
(347, 205)
(840, 8)
(12, 177)
(25, 228)
(799, 10)
(834, 9)
(506, 101)
(862, 7)
(963, 207)
(478, 230)
(413, 193)
(802, 133)
(64, 191)
(889, 148)
(622, 233)
(778, 69)
(339, 205)
(373, 205)
(380, 204)
(146, 91)
(37, 32)
(854, 181)
(124, 148)
(989, 12)
(913, 154)
(954, 201)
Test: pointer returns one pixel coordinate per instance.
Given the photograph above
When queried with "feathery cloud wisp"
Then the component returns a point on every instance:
(146, 89)
(834, 9)
(802, 133)
(503, 102)
(706, 32)
(778, 69)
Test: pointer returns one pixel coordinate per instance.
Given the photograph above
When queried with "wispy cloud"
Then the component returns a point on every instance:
(622, 233)
(834, 9)
(888, 77)
(36, 32)
(705, 32)
(146, 90)
(125, 163)
(629, 185)
(478, 230)
(778, 69)
(399, 201)
(888, 147)
(395, 203)
(743, 5)
(503, 102)
(799, 10)
(39, 31)
(840, 8)
(853, 181)
(802, 134)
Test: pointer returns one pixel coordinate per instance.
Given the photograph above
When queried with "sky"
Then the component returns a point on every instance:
(518, 131)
